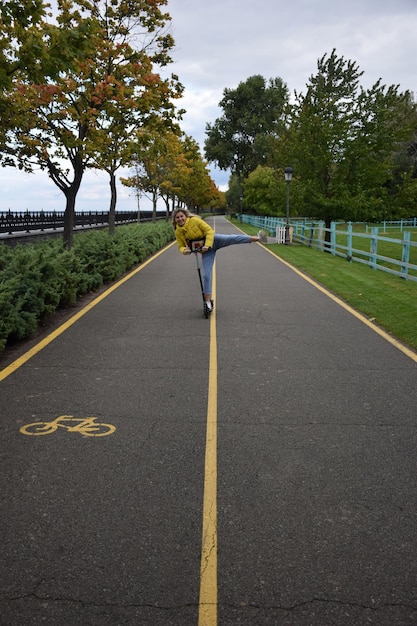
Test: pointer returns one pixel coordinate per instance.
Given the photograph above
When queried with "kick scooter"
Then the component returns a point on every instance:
(195, 247)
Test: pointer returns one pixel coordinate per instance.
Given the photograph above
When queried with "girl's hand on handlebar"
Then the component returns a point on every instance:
(186, 251)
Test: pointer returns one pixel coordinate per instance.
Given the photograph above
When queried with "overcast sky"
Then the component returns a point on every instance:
(223, 42)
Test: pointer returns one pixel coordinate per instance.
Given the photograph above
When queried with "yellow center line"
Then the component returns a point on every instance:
(207, 613)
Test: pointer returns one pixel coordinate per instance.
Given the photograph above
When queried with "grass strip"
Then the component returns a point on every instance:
(388, 300)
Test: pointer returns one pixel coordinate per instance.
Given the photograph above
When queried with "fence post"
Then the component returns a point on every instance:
(320, 238)
(405, 254)
(373, 261)
(349, 242)
(10, 220)
(333, 238)
(310, 242)
(303, 230)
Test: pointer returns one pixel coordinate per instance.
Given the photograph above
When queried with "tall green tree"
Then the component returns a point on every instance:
(253, 114)
(343, 140)
(234, 194)
(265, 192)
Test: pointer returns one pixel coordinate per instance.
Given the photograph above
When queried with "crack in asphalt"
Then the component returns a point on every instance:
(298, 605)
(253, 606)
(87, 603)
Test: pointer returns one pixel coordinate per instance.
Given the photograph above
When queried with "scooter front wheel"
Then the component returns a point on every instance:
(208, 310)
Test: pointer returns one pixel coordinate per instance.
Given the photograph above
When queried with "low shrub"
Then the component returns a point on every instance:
(37, 279)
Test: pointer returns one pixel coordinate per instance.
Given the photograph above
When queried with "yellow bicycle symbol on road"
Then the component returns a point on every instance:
(84, 425)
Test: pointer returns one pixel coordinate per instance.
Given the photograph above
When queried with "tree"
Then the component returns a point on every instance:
(264, 193)
(218, 198)
(49, 124)
(198, 190)
(177, 170)
(253, 113)
(403, 184)
(171, 169)
(71, 116)
(234, 194)
(132, 95)
(16, 19)
(155, 159)
(34, 51)
(343, 139)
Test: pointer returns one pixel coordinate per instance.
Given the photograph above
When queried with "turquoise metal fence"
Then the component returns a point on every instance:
(342, 240)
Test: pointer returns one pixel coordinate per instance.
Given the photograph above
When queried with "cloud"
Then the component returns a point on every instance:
(222, 43)
(37, 192)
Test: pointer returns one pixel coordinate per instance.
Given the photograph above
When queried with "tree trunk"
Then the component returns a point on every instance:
(113, 200)
(70, 190)
(138, 201)
(154, 203)
(166, 200)
(69, 217)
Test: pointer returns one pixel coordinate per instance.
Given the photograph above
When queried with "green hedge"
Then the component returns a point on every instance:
(39, 278)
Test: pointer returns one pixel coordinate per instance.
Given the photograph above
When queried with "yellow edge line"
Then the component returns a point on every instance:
(207, 613)
(397, 344)
(58, 331)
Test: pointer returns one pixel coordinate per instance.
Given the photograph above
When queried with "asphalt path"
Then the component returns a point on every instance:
(293, 412)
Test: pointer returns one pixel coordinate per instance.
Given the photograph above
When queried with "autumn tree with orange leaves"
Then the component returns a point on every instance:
(78, 106)
(170, 167)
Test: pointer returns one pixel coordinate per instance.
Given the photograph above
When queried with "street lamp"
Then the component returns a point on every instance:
(288, 176)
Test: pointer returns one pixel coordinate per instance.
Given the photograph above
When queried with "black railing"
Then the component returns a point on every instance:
(15, 222)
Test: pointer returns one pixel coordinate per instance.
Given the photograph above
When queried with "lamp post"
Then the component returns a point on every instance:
(288, 176)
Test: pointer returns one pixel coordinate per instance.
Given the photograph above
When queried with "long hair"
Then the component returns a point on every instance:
(186, 212)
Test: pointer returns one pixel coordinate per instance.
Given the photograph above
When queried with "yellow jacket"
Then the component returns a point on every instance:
(194, 228)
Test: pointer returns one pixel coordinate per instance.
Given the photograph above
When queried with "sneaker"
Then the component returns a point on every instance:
(209, 306)
(262, 236)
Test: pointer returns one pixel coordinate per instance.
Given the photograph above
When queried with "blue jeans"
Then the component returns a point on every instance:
(220, 241)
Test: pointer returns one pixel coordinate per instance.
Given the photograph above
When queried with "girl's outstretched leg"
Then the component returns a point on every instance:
(222, 241)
